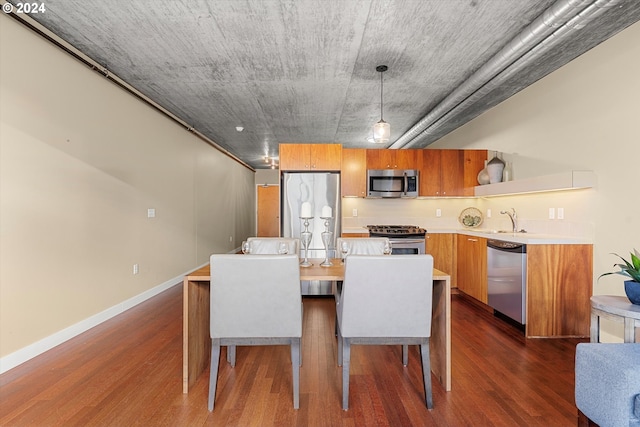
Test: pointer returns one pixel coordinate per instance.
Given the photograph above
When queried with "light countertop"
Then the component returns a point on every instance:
(526, 238)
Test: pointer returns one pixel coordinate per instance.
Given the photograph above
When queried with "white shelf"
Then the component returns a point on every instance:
(572, 180)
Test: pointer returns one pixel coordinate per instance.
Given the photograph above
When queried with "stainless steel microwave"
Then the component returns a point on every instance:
(392, 183)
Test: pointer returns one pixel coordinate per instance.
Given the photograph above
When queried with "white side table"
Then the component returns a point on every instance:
(618, 309)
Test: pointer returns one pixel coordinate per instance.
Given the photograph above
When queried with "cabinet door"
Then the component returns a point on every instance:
(559, 287)
(473, 164)
(353, 174)
(429, 165)
(406, 159)
(294, 157)
(440, 246)
(325, 157)
(452, 172)
(380, 158)
(472, 266)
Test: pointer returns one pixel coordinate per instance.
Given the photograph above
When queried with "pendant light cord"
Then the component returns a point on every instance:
(381, 69)
(381, 101)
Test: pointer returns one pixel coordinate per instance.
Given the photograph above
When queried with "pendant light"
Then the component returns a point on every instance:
(381, 130)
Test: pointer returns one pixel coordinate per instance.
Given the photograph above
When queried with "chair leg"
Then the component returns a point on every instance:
(346, 361)
(405, 354)
(295, 365)
(231, 355)
(426, 373)
(213, 372)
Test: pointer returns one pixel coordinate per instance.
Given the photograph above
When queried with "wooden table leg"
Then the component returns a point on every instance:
(196, 341)
(440, 341)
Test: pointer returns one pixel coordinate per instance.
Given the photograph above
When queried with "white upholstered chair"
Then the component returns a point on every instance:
(386, 300)
(255, 300)
(358, 246)
(363, 245)
(271, 245)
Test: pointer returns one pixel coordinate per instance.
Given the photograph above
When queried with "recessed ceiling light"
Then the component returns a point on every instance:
(239, 128)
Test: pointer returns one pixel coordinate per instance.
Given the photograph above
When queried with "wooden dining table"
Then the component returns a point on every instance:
(196, 341)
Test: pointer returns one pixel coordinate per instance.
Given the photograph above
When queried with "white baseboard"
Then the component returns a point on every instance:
(16, 358)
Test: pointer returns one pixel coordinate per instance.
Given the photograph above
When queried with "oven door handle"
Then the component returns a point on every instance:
(405, 241)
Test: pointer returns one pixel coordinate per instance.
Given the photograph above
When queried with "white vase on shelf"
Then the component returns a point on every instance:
(495, 168)
(507, 173)
(483, 176)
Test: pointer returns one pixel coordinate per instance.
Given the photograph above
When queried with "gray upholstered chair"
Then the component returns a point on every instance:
(386, 300)
(271, 245)
(255, 300)
(607, 387)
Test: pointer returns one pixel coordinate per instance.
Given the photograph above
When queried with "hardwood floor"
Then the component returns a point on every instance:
(127, 372)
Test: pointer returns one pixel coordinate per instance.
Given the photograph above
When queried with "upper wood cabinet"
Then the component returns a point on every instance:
(354, 172)
(441, 172)
(310, 157)
(473, 164)
(449, 172)
(392, 159)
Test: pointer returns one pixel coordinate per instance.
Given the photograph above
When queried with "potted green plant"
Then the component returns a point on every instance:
(630, 270)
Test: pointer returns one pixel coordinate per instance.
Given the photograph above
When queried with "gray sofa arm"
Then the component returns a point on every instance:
(608, 383)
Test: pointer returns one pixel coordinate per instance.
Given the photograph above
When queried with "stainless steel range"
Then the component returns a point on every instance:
(405, 239)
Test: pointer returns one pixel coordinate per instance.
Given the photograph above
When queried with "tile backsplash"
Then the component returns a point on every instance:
(532, 212)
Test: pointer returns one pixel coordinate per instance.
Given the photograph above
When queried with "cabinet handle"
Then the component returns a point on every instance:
(472, 240)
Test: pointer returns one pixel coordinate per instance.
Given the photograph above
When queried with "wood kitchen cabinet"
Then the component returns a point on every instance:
(471, 260)
(473, 164)
(392, 159)
(449, 172)
(559, 288)
(310, 157)
(353, 174)
(441, 247)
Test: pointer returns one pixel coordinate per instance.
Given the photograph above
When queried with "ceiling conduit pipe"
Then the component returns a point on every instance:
(555, 16)
(538, 51)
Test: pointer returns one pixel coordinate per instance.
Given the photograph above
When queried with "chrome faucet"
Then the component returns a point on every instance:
(513, 217)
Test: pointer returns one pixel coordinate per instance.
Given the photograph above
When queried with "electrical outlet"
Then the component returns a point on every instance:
(355, 212)
(230, 238)
(438, 213)
(136, 268)
(552, 213)
(151, 213)
(560, 213)
(488, 213)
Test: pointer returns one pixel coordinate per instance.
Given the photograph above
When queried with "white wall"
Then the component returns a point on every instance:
(584, 116)
(81, 161)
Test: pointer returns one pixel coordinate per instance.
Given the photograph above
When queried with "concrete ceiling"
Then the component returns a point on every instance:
(304, 70)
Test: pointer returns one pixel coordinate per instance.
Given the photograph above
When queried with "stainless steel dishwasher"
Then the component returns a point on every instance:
(507, 275)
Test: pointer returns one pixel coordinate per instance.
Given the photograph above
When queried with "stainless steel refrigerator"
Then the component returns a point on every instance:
(320, 189)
